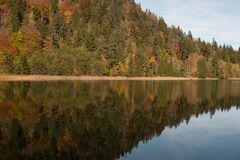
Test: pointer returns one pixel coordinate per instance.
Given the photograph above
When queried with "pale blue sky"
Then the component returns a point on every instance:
(207, 19)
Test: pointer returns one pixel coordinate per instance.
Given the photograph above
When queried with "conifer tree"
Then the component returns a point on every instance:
(17, 12)
(202, 68)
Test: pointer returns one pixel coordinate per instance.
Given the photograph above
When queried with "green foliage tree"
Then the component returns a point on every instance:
(38, 64)
(110, 32)
(215, 66)
(141, 64)
(17, 11)
(84, 62)
(7, 63)
(62, 63)
(99, 66)
(165, 68)
(57, 25)
(22, 66)
(202, 68)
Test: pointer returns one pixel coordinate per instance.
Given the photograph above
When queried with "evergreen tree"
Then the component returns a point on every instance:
(7, 65)
(57, 26)
(202, 68)
(141, 63)
(215, 65)
(22, 65)
(17, 12)
(38, 64)
(106, 29)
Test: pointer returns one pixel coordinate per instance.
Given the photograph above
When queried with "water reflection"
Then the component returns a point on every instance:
(100, 120)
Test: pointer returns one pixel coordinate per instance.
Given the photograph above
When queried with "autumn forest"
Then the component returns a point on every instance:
(104, 38)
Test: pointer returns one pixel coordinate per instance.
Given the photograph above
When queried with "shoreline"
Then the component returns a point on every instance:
(97, 78)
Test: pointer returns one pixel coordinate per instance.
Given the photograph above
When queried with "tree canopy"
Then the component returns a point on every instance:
(117, 37)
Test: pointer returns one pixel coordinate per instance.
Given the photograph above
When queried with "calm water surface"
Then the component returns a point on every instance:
(130, 120)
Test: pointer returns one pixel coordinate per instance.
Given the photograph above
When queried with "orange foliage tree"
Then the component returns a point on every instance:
(32, 40)
(42, 5)
(67, 8)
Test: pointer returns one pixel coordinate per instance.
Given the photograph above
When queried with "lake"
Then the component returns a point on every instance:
(126, 120)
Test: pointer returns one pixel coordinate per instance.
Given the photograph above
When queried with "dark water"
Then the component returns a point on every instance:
(120, 120)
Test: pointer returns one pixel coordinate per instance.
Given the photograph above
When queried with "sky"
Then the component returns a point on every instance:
(207, 19)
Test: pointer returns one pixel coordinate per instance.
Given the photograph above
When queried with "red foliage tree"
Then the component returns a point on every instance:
(4, 14)
(151, 56)
(5, 41)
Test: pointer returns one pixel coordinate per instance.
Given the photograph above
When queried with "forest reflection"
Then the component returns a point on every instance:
(102, 119)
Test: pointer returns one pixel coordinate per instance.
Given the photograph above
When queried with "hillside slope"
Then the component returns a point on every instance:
(103, 37)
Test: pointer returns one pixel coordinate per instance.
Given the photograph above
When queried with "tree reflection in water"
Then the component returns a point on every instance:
(99, 120)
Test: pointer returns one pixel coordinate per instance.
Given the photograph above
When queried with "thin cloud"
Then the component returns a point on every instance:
(206, 19)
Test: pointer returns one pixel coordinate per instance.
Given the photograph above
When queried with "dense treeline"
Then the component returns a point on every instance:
(102, 37)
